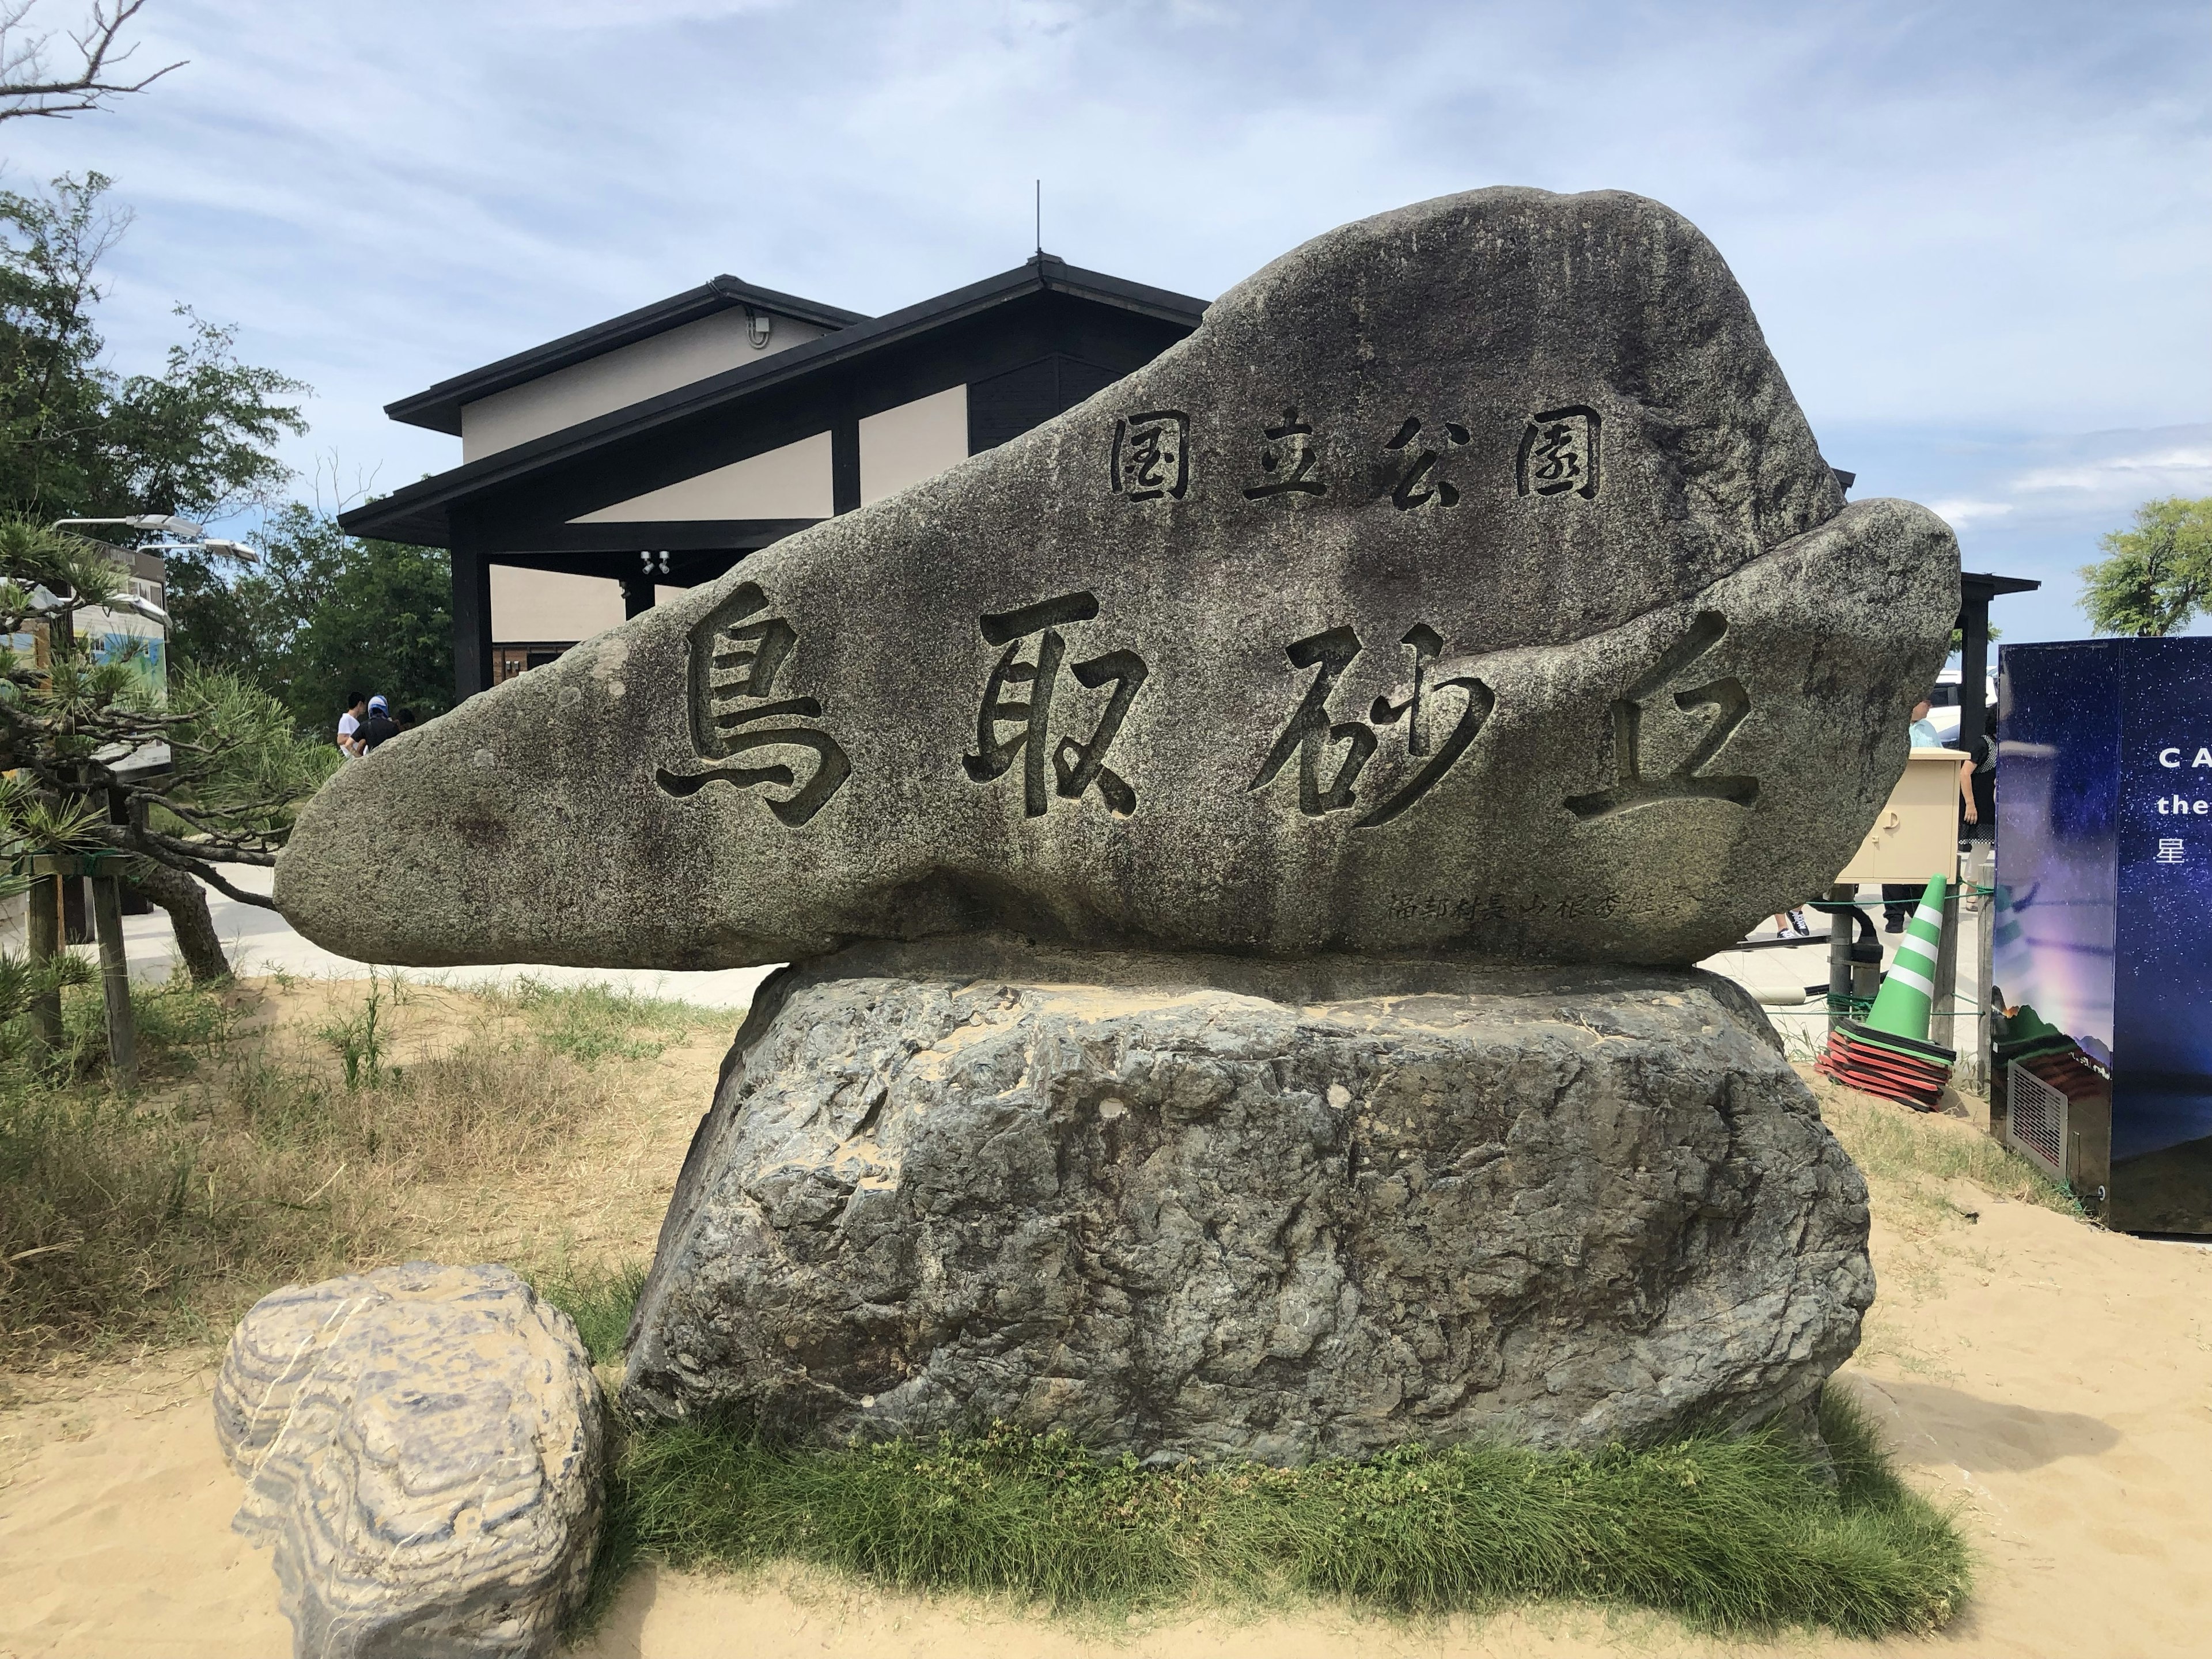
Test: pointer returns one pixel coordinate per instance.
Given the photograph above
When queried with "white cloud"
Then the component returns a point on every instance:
(2172, 471)
(1988, 212)
(1956, 513)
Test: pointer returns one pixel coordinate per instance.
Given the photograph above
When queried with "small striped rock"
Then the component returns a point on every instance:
(423, 1446)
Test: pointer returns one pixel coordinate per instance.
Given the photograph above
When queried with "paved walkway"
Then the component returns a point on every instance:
(261, 942)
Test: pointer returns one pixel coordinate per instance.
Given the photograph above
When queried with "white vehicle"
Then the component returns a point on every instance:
(1943, 706)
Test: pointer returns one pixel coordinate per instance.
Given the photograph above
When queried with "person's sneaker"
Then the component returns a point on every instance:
(1797, 920)
(1894, 924)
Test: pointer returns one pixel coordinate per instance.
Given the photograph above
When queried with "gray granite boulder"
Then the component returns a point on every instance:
(1198, 1207)
(1470, 579)
(423, 1446)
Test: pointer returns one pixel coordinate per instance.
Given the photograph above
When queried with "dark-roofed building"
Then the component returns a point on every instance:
(657, 449)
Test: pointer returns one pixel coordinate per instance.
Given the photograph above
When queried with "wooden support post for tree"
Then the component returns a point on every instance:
(45, 941)
(115, 981)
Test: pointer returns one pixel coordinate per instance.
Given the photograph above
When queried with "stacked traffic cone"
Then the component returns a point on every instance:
(1889, 1053)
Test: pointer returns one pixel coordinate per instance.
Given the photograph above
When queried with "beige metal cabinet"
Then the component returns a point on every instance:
(1916, 833)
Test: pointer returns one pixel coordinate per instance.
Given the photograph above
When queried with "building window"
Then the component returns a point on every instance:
(508, 660)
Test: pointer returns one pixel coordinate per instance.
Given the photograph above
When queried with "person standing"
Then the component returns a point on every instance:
(1898, 897)
(378, 727)
(1977, 789)
(349, 743)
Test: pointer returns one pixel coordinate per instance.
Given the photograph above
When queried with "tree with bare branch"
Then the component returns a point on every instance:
(37, 77)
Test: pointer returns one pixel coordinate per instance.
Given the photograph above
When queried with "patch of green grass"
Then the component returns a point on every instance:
(360, 1039)
(589, 1023)
(116, 1215)
(599, 1301)
(244, 1159)
(179, 1024)
(1734, 1535)
(1910, 1155)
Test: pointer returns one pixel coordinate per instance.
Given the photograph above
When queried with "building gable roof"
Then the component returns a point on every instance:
(418, 512)
(439, 407)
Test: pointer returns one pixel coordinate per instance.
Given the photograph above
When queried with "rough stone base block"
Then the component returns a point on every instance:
(1209, 1207)
(423, 1446)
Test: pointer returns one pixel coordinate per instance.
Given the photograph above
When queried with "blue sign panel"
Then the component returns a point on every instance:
(2103, 947)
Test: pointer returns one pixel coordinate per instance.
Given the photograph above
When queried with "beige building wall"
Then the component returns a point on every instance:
(914, 442)
(615, 380)
(899, 448)
(551, 605)
(790, 483)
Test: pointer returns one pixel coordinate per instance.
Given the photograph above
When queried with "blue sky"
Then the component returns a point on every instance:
(1976, 234)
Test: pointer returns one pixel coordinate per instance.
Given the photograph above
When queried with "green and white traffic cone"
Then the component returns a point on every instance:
(1907, 996)
(1889, 1053)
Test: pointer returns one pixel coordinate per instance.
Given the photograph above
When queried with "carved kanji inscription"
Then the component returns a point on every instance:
(1076, 764)
(737, 656)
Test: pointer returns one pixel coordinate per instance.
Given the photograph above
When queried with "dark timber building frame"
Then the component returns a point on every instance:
(1027, 344)
(1975, 593)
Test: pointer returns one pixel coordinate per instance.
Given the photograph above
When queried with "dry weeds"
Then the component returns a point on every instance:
(290, 1130)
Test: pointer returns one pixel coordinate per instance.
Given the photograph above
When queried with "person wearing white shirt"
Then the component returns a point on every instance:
(349, 743)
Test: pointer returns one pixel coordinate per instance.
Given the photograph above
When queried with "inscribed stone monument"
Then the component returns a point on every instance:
(1242, 842)
(1469, 580)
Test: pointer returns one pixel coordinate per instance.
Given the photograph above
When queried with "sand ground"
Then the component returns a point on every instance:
(2052, 1381)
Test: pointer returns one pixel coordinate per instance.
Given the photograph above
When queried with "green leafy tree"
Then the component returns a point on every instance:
(2155, 577)
(77, 439)
(321, 613)
(324, 613)
(385, 623)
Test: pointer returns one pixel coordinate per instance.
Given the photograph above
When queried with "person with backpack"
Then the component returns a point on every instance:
(379, 727)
